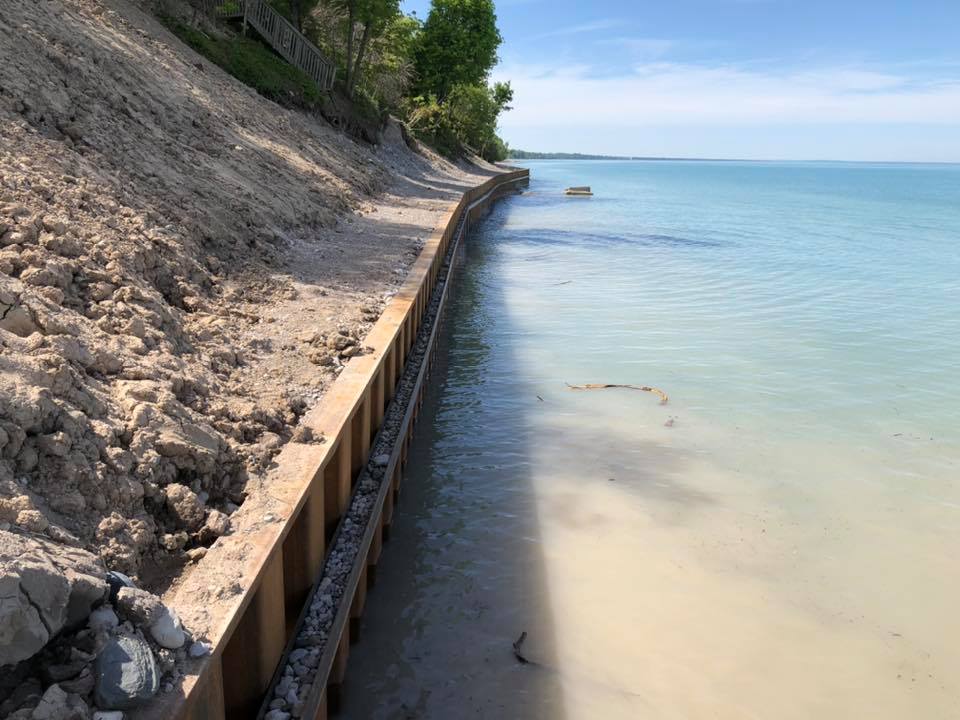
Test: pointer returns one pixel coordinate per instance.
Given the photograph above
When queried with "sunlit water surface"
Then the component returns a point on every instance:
(786, 547)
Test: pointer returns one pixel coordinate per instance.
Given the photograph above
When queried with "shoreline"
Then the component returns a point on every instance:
(257, 555)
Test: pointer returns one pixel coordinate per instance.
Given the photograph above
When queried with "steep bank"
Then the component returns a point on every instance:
(185, 266)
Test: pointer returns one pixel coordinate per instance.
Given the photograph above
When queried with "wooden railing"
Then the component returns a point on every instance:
(281, 34)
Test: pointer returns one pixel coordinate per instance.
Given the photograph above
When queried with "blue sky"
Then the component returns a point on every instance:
(794, 79)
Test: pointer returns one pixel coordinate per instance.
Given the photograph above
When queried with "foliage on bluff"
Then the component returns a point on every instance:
(457, 47)
(432, 73)
(255, 64)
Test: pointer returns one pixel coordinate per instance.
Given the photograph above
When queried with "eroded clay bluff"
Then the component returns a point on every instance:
(148, 206)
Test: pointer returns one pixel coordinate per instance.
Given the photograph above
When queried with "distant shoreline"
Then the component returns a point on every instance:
(525, 155)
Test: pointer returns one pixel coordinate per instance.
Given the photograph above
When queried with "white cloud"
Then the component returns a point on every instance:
(582, 28)
(666, 93)
(645, 47)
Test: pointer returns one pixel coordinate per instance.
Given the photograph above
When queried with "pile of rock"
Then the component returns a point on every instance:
(335, 349)
(122, 343)
(78, 642)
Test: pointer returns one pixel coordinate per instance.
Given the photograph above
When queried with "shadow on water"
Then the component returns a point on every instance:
(463, 575)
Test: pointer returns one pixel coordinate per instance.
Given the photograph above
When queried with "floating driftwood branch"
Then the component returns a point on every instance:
(645, 388)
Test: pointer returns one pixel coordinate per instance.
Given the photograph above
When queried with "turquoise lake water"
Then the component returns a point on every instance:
(780, 540)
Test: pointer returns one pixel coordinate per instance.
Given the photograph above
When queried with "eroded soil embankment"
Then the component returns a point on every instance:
(184, 267)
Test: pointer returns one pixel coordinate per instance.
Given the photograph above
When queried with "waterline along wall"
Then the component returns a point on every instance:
(323, 488)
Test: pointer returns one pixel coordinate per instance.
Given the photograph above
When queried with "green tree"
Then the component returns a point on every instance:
(371, 18)
(502, 96)
(401, 36)
(473, 111)
(388, 70)
(457, 46)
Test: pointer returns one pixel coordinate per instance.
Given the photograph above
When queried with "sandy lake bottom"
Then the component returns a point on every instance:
(780, 540)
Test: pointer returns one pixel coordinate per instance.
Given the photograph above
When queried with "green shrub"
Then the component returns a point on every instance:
(367, 107)
(497, 150)
(254, 64)
(431, 122)
(230, 8)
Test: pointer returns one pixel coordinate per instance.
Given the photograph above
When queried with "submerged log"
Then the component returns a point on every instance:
(643, 388)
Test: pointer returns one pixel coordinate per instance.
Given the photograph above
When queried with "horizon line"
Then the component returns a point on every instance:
(652, 158)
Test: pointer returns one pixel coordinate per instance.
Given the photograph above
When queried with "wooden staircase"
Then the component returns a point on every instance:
(289, 42)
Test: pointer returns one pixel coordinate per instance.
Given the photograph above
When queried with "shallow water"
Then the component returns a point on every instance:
(787, 547)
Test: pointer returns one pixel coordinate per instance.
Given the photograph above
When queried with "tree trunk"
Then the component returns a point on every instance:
(358, 64)
(295, 11)
(350, 20)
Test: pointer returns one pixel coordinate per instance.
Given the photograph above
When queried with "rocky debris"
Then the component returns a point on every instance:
(196, 554)
(56, 704)
(341, 345)
(185, 506)
(304, 434)
(74, 641)
(44, 588)
(139, 606)
(146, 610)
(126, 673)
(167, 631)
(124, 541)
(371, 313)
(200, 649)
(103, 620)
(118, 580)
(323, 358)
(130, 277)
(22, 696)
(217, 523)
(341, 341)
(81, 684)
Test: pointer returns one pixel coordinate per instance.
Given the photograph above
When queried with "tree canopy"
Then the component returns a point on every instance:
(434, 74)
(457, 46)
